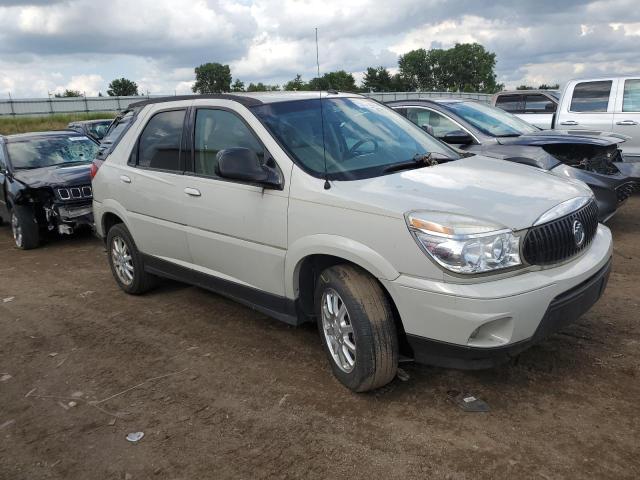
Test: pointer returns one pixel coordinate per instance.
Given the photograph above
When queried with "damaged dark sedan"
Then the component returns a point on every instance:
(45, 184)
(592, 157)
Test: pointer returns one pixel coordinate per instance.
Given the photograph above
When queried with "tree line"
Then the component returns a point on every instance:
(465, 67)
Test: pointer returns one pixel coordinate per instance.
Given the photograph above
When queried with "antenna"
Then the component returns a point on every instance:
(327, 185)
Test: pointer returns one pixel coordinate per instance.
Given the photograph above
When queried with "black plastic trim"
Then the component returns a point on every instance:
(275, 306)
(246, 101)
(564, 309)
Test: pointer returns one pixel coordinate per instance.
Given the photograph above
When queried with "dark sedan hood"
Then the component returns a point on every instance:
(55, 176)
(550, 137)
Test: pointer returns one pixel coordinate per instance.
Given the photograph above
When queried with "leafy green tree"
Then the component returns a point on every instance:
(212, 78)
(377, 79)
(544, 86)
(69, 93)
(238, 86)
(462, 68)
(524, 87)
(122, 87)
(338, 80)
(297, 84)
(261, 87)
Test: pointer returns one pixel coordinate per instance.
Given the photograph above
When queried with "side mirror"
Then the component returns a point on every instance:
(427, 128)
(457, 137)
(243, 164)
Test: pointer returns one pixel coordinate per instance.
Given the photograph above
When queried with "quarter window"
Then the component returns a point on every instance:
(538, 104)
(631, 99)
(440, 124)
(591, 96)
(218, 130)
(160, 141)
(510, 103)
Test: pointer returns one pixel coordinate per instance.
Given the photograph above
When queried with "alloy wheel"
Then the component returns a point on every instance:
(338, 330)
(16, 228)
(122, 261)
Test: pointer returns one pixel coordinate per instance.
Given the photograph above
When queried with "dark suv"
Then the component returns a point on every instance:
(45, 183)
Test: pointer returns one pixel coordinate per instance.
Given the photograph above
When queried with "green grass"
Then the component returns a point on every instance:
(19, 124)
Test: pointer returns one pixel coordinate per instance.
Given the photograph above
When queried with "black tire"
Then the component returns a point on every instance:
(371, 317)
(140, 281)
(24, 226)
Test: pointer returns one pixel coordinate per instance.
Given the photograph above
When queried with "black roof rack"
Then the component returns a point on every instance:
(246, 101)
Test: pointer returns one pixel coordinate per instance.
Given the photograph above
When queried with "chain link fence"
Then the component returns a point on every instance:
(52, 106)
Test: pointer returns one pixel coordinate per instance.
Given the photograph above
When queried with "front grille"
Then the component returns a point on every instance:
(555, 241)
(69, 194)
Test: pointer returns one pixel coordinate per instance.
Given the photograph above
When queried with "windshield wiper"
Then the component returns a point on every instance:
(419, 160)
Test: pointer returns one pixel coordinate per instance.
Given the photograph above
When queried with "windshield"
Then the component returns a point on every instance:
(47, 152)
(361, 137)
(491, 120)
(99, 129)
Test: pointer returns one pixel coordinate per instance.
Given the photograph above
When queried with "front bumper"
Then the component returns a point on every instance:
(482, 324)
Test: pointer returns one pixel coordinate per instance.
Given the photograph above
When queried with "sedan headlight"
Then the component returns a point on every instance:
(463, 244)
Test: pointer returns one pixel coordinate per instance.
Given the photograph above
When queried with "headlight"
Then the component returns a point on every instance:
(463, 244)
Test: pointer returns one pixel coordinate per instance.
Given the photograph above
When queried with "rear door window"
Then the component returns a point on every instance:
(159, 146)
(631, 98)
(591, 96)
(538, 104)
(510, 103)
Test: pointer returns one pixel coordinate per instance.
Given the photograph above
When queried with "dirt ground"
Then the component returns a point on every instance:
(243, 396)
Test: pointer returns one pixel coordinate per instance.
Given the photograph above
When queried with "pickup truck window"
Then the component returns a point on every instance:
(591, 96)
(631, 99)
(160, 141)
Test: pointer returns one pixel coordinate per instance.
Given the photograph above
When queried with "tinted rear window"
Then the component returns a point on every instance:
(591, 96)
(631, 100)
(510, 103)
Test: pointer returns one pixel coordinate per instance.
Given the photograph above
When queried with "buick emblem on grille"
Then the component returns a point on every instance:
(578, 233)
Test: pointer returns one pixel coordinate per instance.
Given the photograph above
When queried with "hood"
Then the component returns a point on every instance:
(550, 137)
(55, 176)
(505, 193)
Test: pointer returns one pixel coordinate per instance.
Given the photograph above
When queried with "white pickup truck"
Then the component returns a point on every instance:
(610, 104)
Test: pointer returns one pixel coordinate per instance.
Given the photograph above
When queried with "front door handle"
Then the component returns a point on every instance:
(569, 122)
(125, 179)
(627, 122)
(193, 192)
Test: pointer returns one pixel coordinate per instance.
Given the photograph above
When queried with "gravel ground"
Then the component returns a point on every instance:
(224, 392)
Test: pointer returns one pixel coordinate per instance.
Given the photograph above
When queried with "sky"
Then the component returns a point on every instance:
(47, 46)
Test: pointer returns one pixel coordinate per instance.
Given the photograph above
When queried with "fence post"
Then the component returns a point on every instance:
(50, 106)
(118, 102)
(86, 104)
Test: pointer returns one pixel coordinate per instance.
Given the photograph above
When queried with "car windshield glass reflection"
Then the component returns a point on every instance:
(490, 120)
(359, 137)
(38, 153)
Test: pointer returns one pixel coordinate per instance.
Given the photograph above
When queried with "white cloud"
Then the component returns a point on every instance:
(48, 45)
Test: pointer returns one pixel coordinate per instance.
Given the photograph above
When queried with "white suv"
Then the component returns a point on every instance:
(334, 208)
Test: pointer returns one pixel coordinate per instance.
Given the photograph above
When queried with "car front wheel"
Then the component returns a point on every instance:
(357, 328)
(26, 233)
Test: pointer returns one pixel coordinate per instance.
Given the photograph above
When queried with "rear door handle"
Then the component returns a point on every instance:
(627, 122)
(569, 122)
(193, 192)
(125, 179)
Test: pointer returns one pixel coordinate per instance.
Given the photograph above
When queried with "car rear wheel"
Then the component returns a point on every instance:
(357, 328)
(126, 262)
(26, 233)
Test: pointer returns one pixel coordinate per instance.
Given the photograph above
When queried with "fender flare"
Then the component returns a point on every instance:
(336, 246)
